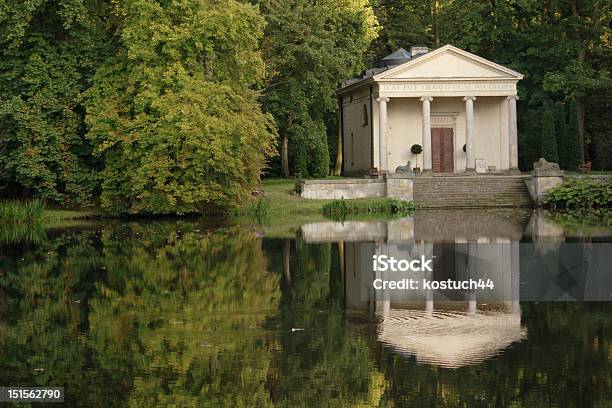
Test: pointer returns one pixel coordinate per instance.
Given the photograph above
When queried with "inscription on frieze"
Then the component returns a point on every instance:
(449, 86)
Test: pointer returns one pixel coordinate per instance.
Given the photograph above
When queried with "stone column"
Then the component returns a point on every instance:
(512, 132)
(426, 133)
(470, 160)
(382, 133)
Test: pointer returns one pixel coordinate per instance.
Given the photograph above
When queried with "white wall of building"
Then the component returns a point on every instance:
(404, 129)
(491, 131)
(357, 136)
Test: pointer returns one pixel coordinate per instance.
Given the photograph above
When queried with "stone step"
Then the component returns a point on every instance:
(483, 191)
(461, 205)
(471, 192)
(478, 192)
(479, 202)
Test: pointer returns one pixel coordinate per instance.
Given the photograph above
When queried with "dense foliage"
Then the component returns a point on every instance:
(172, 113)
(309, 47)
(581, 194)
(48, 52)
(177, 106)
(151, 104)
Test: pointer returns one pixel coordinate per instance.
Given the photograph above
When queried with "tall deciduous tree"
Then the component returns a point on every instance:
(309, 47)
(48, 53)
(586, 25)
(173, 112)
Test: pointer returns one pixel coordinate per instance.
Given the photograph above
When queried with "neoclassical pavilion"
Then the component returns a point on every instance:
(459, 107)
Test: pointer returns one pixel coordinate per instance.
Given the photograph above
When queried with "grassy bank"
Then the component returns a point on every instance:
(282, 211)
(59, 214)
(280, 200)
(36, 212)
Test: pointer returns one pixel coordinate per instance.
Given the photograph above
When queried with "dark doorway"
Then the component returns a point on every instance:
(442, 151)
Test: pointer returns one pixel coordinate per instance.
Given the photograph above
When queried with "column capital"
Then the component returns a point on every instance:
(426, 98)
(382, 99)
(513, 97)
(469, 98)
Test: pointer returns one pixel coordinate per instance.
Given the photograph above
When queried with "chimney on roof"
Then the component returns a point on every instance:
(416, 51)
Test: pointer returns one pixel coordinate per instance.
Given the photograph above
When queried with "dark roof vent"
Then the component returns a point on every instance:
(398, 57)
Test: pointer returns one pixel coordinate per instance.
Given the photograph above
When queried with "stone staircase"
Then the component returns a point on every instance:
(480, 191)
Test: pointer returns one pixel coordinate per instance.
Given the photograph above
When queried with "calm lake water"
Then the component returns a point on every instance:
(187, 313)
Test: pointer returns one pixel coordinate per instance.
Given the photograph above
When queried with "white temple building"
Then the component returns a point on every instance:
(459, 107)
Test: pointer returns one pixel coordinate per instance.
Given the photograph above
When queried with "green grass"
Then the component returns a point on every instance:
(14, 211)
(282, 205)
(282, 211)
(391, 206)
(282, 199)
(21, 221)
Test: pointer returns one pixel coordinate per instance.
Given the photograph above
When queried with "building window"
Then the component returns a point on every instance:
(364, 121)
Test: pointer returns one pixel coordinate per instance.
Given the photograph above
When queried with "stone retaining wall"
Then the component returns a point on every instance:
(393, 185)
(346, 188)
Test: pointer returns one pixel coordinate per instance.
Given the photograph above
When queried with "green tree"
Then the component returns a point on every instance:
(309, 47)
(48, 52)
(548, 141)
(561, 47)
(405, 23)
(587, 30)
(173, 112)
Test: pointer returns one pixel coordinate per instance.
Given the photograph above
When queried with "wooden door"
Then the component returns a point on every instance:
(442, 150)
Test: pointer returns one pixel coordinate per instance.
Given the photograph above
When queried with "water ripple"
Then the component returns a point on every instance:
(450, 339)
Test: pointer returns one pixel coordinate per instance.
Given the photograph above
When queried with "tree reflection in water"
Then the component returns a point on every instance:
(161, 313)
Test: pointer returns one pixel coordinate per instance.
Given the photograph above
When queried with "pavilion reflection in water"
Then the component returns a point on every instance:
(445, 328)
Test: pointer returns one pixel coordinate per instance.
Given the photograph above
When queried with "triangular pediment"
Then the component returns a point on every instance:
(449, 62)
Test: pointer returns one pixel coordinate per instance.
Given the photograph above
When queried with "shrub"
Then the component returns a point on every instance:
(343, 207)
(298, 183)
(310, 152)
(580, 194)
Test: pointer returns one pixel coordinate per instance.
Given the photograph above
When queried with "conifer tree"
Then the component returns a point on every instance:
(548, 140)
(573, 139)
(562, 135)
